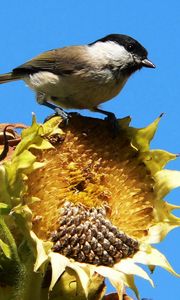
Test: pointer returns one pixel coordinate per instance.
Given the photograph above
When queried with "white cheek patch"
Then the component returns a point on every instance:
(110, 52)
(42, 78)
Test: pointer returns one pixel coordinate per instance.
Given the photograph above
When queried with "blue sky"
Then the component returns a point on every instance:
(29, 27)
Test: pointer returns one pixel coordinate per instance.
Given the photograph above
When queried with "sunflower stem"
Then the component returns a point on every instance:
(9, 240)
(24, 282)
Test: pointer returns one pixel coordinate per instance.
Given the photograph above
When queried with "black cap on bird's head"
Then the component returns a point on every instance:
(132, 46)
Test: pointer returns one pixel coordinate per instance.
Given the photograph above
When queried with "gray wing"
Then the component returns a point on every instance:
(60, 61)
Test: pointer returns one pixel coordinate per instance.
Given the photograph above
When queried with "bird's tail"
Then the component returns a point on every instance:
(9, 77)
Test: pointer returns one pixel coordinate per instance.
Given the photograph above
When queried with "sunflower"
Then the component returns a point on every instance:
(79, 205)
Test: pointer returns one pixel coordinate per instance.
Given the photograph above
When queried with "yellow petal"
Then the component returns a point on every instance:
(166, 180)
(159, 231)
(127, 266)
(129, 282)
(151, 256)
(58, 263)
(142, 137)
(114, 277)
(83, 276)
(41, 251)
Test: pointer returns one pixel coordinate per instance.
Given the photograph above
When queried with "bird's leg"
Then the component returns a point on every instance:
(58, 111)
(41, 99)
(110, 115)
(110, 118)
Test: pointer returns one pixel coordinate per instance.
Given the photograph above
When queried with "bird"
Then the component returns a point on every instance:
(82, 76)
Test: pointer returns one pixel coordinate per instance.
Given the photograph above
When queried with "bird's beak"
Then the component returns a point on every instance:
(147, 63)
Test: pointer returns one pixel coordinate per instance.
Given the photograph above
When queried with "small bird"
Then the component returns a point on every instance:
(82, 77)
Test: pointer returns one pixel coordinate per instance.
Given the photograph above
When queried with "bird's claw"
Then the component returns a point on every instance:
(113, 124)
(111, 120)
(61, 113)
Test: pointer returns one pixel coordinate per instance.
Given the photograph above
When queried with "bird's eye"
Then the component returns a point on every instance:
(130, 47)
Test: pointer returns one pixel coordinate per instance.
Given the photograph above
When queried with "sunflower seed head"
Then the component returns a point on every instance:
(87, 236)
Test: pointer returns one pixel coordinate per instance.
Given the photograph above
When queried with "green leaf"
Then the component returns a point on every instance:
(6, 249)
(4, 209)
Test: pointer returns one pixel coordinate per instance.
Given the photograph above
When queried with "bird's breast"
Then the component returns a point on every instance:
(79, 90)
